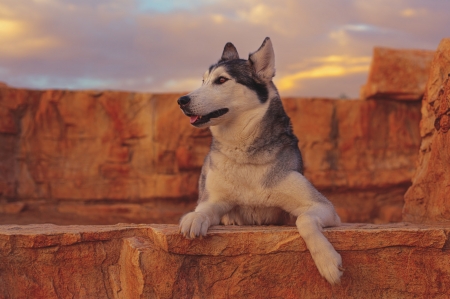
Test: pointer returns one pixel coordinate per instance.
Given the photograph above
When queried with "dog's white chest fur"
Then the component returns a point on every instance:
(238, 183)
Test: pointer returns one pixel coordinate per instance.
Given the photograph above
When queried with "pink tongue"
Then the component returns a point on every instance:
(194, 118)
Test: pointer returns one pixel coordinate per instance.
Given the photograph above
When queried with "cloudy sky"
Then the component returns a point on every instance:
(322, 48)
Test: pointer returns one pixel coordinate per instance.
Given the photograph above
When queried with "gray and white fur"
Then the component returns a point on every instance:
(253, 173)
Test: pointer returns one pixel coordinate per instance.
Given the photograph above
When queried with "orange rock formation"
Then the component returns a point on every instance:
(84, 157)
(428, 198)
(397, 74)
(154, 261)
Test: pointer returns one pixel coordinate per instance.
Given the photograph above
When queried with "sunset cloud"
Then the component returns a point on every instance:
(19, 40)
(330, 66)
(322, 48)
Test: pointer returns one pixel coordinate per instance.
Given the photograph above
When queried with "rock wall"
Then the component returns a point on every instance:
(155, 261)
(85, 157)
(96, 146)
(103, 156)
(428, 198)
(360, 154)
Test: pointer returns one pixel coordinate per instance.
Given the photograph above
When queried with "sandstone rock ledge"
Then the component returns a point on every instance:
(153, 261)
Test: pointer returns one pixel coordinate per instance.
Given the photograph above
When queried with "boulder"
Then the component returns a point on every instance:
(397, 74)
(155, 261)
(427, 200)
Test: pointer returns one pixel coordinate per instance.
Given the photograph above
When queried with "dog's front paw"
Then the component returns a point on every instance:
(194, 224)
(329, 264)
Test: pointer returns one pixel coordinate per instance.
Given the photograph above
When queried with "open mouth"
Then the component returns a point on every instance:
(197, 120)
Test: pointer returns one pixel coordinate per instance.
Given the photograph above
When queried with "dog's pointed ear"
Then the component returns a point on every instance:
(229, 53)
(263, 61)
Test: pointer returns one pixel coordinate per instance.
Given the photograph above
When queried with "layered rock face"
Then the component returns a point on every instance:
(397, 74)
(154, 261)
(121, 152)
(95, 146)
(106, 157)
(428, 198)
(360, 154)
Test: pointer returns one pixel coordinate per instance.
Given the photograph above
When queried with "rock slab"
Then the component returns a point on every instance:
(397, 74)
(427, 200)
(154, 261)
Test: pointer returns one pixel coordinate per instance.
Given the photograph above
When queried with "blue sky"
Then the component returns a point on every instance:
(322, 48)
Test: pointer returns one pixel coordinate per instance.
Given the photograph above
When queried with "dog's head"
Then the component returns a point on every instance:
(231, 86)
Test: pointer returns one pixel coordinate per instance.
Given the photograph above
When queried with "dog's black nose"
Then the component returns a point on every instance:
(184, 100)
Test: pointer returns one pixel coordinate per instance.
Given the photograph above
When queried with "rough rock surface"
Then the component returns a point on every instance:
(97, 156)
(154, 261)
(95, 146)
(428, 198)
(90, 157)
(360, 154)
(397, 74)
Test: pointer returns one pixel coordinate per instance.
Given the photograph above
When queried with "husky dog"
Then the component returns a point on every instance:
(253, 173)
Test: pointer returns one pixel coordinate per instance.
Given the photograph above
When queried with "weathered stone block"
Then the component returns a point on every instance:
(397, 74)
(155, 261)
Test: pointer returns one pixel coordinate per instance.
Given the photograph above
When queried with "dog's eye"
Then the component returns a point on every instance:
(221, 80)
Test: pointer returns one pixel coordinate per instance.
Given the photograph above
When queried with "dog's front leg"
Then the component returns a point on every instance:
(327, 260)
(313, 211)
(196, 223)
